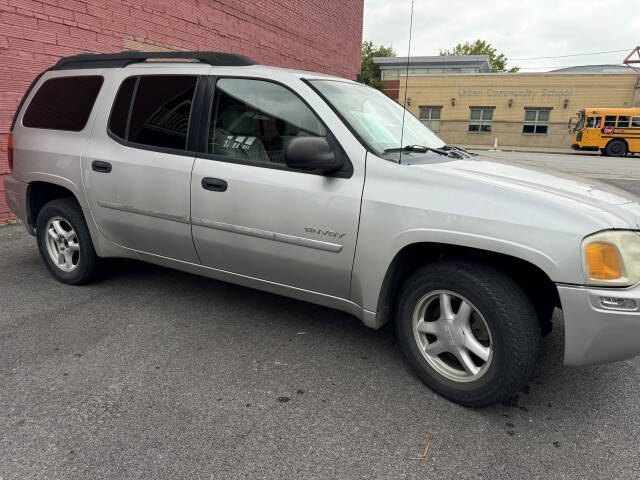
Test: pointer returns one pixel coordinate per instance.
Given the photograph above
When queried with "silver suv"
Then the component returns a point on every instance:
(317, 188)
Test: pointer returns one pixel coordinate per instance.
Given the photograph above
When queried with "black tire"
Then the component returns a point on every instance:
(508, 314)
(616, 148)
(89, 265)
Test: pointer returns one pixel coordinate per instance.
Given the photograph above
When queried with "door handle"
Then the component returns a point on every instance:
(214, 184)
(102, 167)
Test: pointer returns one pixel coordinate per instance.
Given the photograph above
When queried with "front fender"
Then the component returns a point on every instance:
(371, 265)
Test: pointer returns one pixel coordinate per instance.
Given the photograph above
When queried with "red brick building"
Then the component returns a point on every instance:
(324, 36)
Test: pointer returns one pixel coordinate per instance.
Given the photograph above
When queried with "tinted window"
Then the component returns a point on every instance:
(161, 108)
(253, 120)
(63, 103)
(120, 111)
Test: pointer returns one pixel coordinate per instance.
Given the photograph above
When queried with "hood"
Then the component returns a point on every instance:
(619, 208)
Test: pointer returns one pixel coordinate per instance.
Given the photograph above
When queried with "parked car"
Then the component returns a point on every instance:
(295, 183)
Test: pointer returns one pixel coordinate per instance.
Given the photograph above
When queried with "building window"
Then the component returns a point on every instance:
(389, 74)
(430, 117)
(480, 119)
(536, 121)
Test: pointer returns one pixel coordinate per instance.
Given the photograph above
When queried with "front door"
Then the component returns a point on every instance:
(592, 132)
(138, 174)
(251, 214)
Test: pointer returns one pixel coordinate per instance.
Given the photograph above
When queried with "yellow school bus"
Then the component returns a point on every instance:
(613, 131)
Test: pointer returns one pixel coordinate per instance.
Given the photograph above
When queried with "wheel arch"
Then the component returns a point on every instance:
(39, 193)
(534, 280)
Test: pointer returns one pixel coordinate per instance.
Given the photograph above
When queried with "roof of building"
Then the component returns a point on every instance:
(479, 61)
(595, 69)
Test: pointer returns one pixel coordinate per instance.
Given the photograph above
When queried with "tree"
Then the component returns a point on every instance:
(497, 62)
(370, 72)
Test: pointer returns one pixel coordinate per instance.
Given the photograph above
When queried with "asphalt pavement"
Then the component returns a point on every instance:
(153, 373)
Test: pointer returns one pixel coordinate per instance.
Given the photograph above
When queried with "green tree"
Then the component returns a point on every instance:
(497, 62)
(370, 72)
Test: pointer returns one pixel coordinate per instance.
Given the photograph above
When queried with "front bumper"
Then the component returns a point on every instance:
(594, 334)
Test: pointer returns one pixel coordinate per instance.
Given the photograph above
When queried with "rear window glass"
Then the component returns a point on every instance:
(160, 113)
(63, 103)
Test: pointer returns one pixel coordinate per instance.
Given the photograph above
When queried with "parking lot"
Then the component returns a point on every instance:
(153, 373)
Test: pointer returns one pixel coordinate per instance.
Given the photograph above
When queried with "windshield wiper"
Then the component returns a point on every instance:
(417, 148)
(454, 148)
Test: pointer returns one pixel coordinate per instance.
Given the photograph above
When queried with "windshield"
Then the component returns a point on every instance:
(375, 117)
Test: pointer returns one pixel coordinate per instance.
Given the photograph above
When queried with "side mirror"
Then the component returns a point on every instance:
(312, 153)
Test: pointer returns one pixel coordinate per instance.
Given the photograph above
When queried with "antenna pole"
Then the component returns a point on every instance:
(406, 83)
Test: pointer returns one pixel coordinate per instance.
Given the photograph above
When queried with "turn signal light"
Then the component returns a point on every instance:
(603, 260)
(10, 151)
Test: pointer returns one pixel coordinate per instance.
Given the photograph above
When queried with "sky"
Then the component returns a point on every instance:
(519, 29)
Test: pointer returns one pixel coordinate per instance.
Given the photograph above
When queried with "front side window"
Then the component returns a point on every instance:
(480, 119)
(430, 117)
(375, 118)
(610, 121)
(253, 120)
(536, 121)
(160, 113)
(594, 122)
(623, 121)
(63, 103)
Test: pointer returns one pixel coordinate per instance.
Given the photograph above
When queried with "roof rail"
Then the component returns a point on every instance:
(122, 59)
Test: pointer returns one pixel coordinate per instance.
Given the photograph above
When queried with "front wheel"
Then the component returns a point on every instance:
(469, 331)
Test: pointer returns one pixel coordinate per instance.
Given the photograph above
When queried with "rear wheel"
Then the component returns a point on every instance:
(65, 243)
(616, 148)
(469, 331)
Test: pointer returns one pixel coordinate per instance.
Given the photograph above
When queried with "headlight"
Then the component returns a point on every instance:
(612, 258)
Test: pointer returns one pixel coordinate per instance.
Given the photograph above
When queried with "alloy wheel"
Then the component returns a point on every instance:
(62, 244)
(453, 336)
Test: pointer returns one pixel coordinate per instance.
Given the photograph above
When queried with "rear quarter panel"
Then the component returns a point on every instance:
(53, 155)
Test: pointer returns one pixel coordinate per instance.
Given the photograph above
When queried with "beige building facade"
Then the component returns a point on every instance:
(517, 109)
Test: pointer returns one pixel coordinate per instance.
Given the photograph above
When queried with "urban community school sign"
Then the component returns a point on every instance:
(529, 93)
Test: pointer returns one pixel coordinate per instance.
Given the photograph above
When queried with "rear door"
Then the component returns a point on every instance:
(254, 216)
(137, 166)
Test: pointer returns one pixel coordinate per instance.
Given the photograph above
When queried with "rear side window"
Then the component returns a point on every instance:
(159, 116)
(120, 112)
(63, 103)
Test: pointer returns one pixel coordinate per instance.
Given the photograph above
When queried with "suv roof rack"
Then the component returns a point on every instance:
(122, 59)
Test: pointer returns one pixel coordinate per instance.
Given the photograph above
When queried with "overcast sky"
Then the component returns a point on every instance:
(520, 29)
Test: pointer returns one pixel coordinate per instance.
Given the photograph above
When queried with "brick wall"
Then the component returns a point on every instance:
(316, 35)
